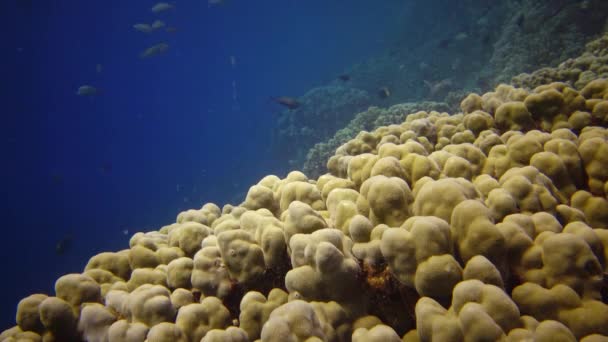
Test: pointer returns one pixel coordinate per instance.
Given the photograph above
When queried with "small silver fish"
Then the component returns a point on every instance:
(145, 28)
(63, 245)
(287, 101)
(154, 50)
(87, 90)
(157, 24)
(162, 7)
(215, 2)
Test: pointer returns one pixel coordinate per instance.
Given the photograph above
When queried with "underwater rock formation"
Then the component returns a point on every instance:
(321, 112)
(497, 41)
(489, 224)
(476, 44)
(523, 45)
(576, 72)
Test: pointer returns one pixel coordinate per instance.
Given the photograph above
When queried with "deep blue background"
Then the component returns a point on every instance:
(164, 134)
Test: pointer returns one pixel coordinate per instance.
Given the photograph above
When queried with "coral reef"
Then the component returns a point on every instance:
(576, 72)
(333, 105)
(475, 44)
(374, 117)
(489, 224)
(523, 45)
(497, 41)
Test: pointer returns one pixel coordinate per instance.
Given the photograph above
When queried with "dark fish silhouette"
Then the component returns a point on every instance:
(57, 178)
(344, 77)
(286, 101)
(444, 43)
(486, 40)
(63, 245)
(105, 167)
(384, 92)
(520, 20)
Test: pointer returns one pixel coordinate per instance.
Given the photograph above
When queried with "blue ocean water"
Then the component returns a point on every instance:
(162, 134)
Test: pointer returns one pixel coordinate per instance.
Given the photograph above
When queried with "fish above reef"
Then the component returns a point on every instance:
(57, 178)
(63, 245)
(384, 92)
(215, 2)
(157, 24)
(87, 90)
(486, 39)
(344, 77)
(105, 167)
(171, 29)
(162, 7)
(519, 21)
(438, 87)
(154, 50)
(461, 36)
(145, 28)
(287, 101)
(99, 68)
(444, 43)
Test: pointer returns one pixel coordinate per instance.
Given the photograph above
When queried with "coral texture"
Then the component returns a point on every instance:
(489, 224)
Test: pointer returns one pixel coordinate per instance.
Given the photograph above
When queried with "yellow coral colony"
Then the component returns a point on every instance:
(489, 224)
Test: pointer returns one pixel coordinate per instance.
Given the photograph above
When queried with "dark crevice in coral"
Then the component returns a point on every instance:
(271, 279)
(233, 301)
(604, 290)
(390, 301)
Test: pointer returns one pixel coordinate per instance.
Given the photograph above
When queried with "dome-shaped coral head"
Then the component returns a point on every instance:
(287, 101)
